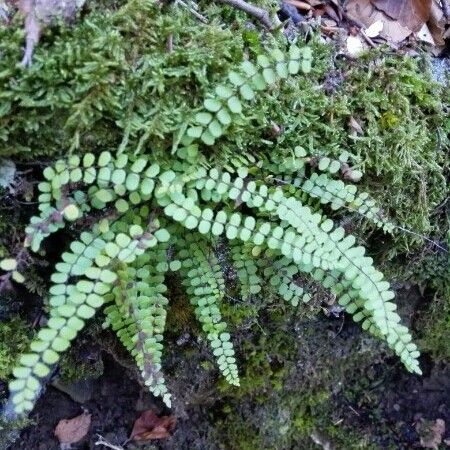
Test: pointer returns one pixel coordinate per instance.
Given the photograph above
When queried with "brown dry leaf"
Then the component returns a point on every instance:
(149, 426)
(69, 431)
(412, 14)
(431, 433)
(363, 12)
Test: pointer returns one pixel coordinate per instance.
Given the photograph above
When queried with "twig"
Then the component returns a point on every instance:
(192, 11)
(361, 27)
(259, 13)
(102, 441)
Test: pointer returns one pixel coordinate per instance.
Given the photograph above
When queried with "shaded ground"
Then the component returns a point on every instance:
(379, 407)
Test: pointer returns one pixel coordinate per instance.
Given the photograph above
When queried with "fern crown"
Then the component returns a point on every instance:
(159, 216)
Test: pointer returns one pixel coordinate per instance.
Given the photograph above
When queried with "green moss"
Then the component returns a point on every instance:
(100, 85)
(296, 378)
(435, 327)
(14, 340)
(403, 146)
(72, 367)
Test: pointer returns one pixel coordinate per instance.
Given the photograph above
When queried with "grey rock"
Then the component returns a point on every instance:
(80, 391)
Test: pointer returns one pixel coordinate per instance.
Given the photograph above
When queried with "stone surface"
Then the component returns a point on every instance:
(79, 391)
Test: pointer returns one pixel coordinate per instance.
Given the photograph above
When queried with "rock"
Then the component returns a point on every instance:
(80, 391)
(288, 11)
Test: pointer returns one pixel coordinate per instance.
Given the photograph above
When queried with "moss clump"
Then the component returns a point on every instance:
(84, 358)
(110, 79)
(436, 328)
(403, 145)
(295, 382)
(73, 367)
(101, 84)
(14, 340)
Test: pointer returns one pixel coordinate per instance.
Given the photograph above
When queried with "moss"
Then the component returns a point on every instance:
(296, 379)
(97, 84)
(14, 340)
(72, 367)
(435, 327)
(84, 359)
(403, 146)
(10, 429)
(100, 85)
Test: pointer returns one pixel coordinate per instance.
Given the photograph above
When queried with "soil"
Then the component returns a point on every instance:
(405, 402)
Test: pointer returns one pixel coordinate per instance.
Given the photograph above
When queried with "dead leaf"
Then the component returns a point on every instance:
(374, 30)
(436, 24)
(412, 14)
(69, 431)
(149, 426)
(363, 13)
(430, 433)
(355, 127)
(355, 46)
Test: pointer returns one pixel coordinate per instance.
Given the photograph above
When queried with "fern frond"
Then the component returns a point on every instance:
(206, 286)
(246, 267)
(139, 315)
(73, 303)
(221, 107)
(311, 239)
(154, 217)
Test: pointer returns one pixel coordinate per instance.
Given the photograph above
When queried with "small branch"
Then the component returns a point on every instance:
(192, 11)
(259, 13)
(102, 441)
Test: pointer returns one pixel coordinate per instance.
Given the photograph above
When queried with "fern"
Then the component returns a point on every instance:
(159, 215)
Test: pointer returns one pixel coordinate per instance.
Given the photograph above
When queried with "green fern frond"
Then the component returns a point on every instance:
(246, 269)
(205, 286)
(158, 214)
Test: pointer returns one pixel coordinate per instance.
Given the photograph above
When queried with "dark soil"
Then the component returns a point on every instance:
(403, 402)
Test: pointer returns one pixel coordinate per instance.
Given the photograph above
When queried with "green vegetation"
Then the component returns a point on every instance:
(124, 258)
(129, 80)
(14, 340)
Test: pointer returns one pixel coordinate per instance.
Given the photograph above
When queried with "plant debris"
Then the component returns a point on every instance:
(411, 14)
(70, 431)
(398, 22)
(39, 13)
(149, 426)
(431, 433)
